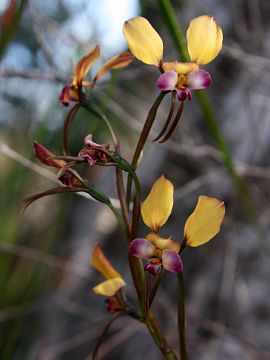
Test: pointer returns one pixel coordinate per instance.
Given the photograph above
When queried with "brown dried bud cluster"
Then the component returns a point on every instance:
(93, 152)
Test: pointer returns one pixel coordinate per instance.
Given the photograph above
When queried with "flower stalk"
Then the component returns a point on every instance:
(143, 138)
(181, 318)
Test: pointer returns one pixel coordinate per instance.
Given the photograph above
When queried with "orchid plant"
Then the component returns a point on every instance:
(204, 41)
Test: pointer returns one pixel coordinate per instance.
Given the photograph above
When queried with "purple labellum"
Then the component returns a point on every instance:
(142, 249)
(183, 94)
(152, 267)
(198, 79)
(171, 261)
(167, 81)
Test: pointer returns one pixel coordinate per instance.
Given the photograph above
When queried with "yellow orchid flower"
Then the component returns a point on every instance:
(204, 42)
(114, 280)
(155, 211)
(70, 92)
(202, 225)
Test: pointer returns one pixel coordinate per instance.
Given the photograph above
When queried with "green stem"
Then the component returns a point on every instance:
(136, 264)
(121, 194)
(146, 128)
(181, 317)
(156, 285)
(143, 138)
(119, 220)
(104, 333)
(94, 109)
(136, 207)
(158, 337)
(170, 18)
(146, 294)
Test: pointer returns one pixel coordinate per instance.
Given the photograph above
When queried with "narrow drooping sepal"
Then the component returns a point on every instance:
(142, 249)
(171, 261)
(198, 79)
(167, 81)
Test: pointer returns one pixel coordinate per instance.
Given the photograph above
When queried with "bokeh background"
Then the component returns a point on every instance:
(47, 308)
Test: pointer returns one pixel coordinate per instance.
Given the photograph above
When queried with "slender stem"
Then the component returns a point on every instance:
(137, 272)
(121, 194)
(94, 109)
(171, 21)
(104, 333)
(146, 128)
(181, 317)
(105, 119)
(136, 207)
(135, 264)
(67, 124)
(120, 221)
(143, 138)
(158, 337)
(146, 294)
(156, 285)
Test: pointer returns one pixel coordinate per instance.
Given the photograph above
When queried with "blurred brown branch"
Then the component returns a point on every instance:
(50, 260)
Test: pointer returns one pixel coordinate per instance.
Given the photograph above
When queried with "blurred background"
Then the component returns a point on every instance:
(47, 307)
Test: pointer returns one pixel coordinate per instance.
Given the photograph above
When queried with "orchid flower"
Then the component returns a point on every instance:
(202, 225)
(204, 42)
(114, 280)
(71, 92)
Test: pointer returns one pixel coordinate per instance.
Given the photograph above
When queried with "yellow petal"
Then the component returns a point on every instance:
(157, 207)
(109, 287)
(117, 62)
(163, 243)
(84, 65)
(179, 67)
(204, 39)
(101, 264)
(204, 223)
(143, 40)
